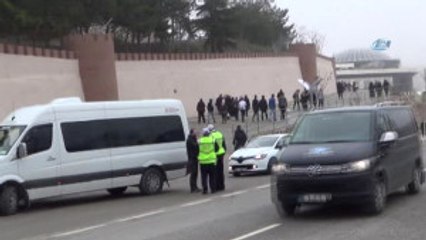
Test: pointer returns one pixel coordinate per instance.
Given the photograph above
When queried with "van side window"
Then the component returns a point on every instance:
(101, 134)
(383, 124)
(38, 138)
(403, 121)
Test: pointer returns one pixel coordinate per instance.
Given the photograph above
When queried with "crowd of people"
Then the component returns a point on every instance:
(262, 109)
(206, 153)
(377, 88)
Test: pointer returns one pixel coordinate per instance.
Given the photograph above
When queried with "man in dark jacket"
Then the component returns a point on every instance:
(240, 138)
(282, 104)
(210, 112)
(201, 109)
(247, 104)
(386, 86)
(255, 105)
(263, 106)
(192, 149)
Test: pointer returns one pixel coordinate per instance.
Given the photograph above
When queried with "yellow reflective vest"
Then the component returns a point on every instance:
(207, 153)
(218, 137)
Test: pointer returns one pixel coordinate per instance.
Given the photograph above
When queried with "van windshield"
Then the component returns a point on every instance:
(333, 128)
(8, 137)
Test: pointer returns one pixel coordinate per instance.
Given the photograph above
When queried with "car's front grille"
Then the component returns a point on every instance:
(315, 169)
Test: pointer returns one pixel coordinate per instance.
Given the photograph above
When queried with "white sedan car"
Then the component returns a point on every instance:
(258, 155)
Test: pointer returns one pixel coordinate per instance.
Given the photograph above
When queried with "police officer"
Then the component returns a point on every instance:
(207, 160)
(220, 153)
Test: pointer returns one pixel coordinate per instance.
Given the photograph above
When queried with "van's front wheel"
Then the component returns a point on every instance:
(415, 185)
(151, 182)
(8, 200)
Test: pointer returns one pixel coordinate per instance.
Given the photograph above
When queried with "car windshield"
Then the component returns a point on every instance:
(333, 127)
(8, 137)
(262, 142)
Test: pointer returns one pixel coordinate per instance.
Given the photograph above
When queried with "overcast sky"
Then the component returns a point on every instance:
(358, 23)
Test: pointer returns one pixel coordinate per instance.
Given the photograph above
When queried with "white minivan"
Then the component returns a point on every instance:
(70, 146)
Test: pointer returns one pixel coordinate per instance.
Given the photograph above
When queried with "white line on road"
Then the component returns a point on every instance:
(263, 186)
(196, 202)
(251, 234)
(148, 214)
(80, 230)
(233, 193)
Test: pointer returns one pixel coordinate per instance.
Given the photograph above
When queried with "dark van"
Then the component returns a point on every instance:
(349, 155)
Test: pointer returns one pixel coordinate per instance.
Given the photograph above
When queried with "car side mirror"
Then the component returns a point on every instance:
(388, 137)
(279, 146)
(22, 151)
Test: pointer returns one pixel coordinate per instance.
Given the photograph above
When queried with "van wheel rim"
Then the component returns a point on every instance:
(380, 196)
(416, 179)
(153, 182)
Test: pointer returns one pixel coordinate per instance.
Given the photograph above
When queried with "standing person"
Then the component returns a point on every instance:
(320, 99)
(210, 111)
(263, 105)
(371, 90)
(296, 100)
(386, 86)
(201, 109)
(235, 107)
(192, 149)
(240, 138)
(247, 104)
(207, 160)
(304, 98)
(272, 104)
(280, 93)
(255, 105)
(218, 103)
(242, 105)
(340, 89)
(379, 89)
(282, 104)
(224, 113)
(423, 128)
(220, 153)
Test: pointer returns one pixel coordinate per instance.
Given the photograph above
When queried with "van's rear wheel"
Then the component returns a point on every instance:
(116, 192)
(151, 182)
(415, 185)
(286, 209)
(8, 201)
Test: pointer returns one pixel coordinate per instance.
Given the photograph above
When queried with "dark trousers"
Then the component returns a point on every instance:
(264, 113)
(296, 103)
(243, 114)
(201, 117)
(283, 110)
(220, 176)
(208, 172)
(255, 116)
(194, 175)
(320, 103)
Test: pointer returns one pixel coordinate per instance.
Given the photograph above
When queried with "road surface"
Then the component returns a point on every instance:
(243, 211)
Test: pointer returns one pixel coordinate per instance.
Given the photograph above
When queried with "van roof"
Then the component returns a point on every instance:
(358, 108)
(26, 115)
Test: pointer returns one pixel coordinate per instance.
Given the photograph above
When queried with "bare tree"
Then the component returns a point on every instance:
(303, 35)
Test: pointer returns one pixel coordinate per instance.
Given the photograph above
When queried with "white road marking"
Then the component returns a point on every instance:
(263, 186)
(143, 215)
(77, 231)
(251, 234)
(196, 202)
(233, 193)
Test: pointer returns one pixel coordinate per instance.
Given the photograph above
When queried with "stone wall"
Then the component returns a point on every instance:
(30, 80)
(326, 71)
(191, 80)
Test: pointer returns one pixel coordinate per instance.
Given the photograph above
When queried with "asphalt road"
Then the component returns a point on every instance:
(243, 211)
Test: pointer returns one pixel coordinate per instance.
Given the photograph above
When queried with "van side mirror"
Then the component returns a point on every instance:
(22, 151)
(388, 137)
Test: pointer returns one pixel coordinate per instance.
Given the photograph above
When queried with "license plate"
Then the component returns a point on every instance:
(315, 198)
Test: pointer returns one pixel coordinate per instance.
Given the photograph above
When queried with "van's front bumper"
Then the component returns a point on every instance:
(343, 188)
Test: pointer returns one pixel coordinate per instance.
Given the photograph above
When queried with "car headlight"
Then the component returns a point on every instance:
(280, 168)
(260, 156)
(358, 166)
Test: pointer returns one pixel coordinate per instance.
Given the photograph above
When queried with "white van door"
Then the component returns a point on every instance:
(40, 167)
